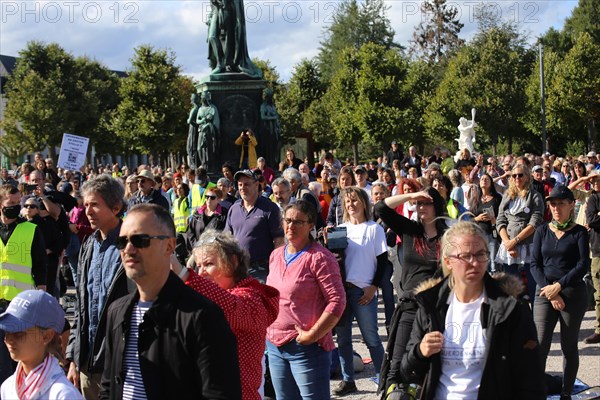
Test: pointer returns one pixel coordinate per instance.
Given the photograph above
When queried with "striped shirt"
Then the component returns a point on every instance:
(133, 384)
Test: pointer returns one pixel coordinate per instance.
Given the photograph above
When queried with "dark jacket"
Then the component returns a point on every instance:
(86, 359)
(199, 222)
(186, 348)
(592, 215)
(155, 197)
(513, 368)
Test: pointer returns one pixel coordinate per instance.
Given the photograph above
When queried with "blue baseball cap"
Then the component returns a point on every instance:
(33, 308)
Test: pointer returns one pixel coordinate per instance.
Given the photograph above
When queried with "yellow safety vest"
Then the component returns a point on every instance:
(182, 213)
(452, 210)
(15, 262)
(199, 194)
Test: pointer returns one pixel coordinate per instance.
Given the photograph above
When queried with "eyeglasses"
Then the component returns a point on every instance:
(482, 257)
(518, 175)
(211, 197)
(29, 206)
(298, 222)
(424, 203)
(139, 241)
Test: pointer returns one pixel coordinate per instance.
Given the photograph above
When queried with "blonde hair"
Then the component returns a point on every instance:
(461, 228)
(513, 190)
(362, 196)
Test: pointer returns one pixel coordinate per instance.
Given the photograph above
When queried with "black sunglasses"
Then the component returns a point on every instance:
(139, 241)
(29, 206)
(211, 196)
(518, 175)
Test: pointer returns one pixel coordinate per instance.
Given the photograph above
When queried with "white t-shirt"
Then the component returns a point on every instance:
(463, 352)
(365, 242)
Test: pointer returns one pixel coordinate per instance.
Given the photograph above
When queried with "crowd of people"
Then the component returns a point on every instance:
(194, 285)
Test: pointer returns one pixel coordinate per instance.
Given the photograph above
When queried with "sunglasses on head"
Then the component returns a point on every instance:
(139, 241)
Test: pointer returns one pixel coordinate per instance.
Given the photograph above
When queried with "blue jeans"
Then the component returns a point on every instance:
(299, 372)
(366, 316)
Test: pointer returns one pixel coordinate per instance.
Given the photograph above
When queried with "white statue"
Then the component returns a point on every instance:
(467, 133)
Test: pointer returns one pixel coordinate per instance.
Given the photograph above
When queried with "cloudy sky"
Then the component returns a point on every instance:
(282, 31)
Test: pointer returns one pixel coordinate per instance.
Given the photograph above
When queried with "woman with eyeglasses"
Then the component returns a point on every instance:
(560, 261)
(472, 338)
(311, 301)
(365, 262)
(420, 255)
(131, 187)
(520, 213)
(52, 237)
(212, 215)
(249, 306)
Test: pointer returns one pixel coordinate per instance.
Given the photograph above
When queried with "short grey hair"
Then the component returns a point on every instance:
(110, 189)
(282, 181)
(224, 182)
(292, 174)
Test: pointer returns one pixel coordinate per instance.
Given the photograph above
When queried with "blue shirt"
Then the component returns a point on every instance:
(106, 260)
(255, 229)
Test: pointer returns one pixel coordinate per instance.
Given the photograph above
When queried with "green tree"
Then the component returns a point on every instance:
(574, 96)
(584, 18)
(490, 74)
(40, 96)
(152, 114)
(305, 86)
(270, 74)
(353, 26)
(438, 35)
(365, 100)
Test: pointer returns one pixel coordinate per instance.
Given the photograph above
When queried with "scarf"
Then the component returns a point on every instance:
(563, 226)
(38, 381)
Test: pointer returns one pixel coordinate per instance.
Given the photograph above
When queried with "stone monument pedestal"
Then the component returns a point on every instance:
(238, 101)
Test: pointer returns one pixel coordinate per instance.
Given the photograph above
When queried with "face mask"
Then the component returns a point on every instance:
(11, 212)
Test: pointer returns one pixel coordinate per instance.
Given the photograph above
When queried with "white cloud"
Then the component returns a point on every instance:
(281, 31)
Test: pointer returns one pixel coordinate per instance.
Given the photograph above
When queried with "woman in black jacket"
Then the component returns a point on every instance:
(472, 337)
(421, 244)
(210, 216)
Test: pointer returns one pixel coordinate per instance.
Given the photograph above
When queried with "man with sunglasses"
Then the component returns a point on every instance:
(101, 281)
(147, 193)
(164, 340)
(22, 260)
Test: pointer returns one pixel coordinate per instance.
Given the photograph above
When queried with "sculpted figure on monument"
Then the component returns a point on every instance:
(271, 128)
(208, 131)
(227, 48)
(192, 140)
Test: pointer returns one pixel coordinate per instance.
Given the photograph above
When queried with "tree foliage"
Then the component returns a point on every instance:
(364, 101)
(50, 93)
(438, 34)
(490, 74)
(154, 103)
(354, 25)
(584, 18)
